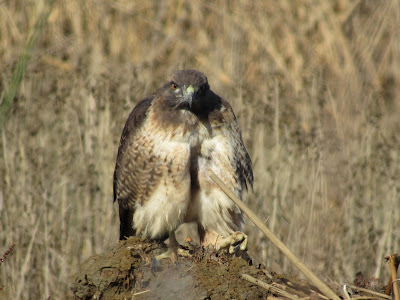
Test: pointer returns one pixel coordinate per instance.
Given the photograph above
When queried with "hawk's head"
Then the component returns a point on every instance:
(187, 90)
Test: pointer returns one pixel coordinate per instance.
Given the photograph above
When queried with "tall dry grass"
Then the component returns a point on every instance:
(315, 86)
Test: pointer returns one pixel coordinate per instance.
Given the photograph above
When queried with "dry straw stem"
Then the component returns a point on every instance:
(396, 263)
(269, 287)
(369, 291)
(274, 239)
(141, 293)
(364, 298)
(345, 293)
(393, 275)
(299, 293)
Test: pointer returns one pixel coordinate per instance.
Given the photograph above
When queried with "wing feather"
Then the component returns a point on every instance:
(135, 121)
(241, 162)
(135, 171)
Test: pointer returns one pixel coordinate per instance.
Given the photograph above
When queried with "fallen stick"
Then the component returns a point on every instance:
(369, 291)
(275, 240)
(269, 287)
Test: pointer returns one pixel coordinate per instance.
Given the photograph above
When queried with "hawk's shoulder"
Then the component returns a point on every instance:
(136, 118)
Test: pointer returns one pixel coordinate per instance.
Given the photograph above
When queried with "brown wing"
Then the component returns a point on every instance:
(134, 173)
(240, 161)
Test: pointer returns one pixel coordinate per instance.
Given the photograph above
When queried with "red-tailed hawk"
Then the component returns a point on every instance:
(170, 141)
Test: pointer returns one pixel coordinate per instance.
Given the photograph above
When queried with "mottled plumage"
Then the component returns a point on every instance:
(169, 143)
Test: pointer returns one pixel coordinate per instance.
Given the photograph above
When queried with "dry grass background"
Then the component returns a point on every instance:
(315, 86)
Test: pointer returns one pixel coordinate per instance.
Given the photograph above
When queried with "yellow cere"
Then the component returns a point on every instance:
(190, 89)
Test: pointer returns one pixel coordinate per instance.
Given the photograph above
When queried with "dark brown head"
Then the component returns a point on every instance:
(187, 90)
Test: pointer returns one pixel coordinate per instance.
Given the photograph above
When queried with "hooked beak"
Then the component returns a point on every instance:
(188, 95)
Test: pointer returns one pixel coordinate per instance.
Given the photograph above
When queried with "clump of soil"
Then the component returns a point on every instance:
(129, 271)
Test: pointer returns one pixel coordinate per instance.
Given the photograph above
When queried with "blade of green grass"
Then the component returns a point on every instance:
(20, 68)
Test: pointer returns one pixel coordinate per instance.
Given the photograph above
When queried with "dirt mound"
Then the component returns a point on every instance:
(130, 271)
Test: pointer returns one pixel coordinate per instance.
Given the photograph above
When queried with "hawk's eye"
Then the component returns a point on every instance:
(174, 86)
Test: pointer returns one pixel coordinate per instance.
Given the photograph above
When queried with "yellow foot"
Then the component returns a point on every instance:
(183, 252)
(168, 254)
(233, 241)
(174, 249)
(173, 255)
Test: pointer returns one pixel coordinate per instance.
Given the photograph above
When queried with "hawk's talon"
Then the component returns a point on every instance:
(183, 252)
(233, 241)
(173, 255)
(168, 254)
(174, 249)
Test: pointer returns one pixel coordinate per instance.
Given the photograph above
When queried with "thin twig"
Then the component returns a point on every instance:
(269, 287)
(140, 293)
(365, 298)
(9, 250)
(369, 291)
(188, 270)
(289, 289)
(292, 289)
(274, 239)
(345, 293)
